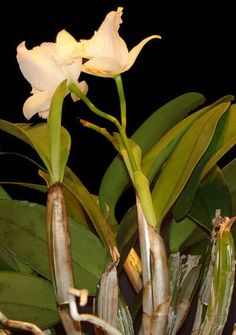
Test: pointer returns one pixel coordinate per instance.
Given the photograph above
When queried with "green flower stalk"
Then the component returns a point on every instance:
(73, 87)
(156, 295)
(156, 298)
(120, 90)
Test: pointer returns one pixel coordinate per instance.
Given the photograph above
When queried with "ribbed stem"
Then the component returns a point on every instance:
(75, 89)
(60, 255)
(120, 89)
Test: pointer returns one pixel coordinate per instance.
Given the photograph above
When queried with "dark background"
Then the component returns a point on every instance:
(195, 54)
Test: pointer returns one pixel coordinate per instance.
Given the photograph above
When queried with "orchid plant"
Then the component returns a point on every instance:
(175, 243)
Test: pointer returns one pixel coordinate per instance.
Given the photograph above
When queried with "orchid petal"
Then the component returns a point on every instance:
(106, 42)
(72, 71)
(106, 51)
(38, 103)
(38, 67)
(66, 48)
(102, 67)
(133, 54)
(83, 86)
(45, 67)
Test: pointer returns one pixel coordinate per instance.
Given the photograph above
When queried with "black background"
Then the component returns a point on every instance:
(196, 53)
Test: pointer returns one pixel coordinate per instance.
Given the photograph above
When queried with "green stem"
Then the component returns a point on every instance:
(120, 90)
(98, 129)
(75, 89)
(125, 141)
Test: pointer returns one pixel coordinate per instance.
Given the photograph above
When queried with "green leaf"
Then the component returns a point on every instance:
(28, 298)
(184, 159)
(125, 322)
(127, 234)
(58, 153)
(22, 225)
(229, 172)
(224, 138)
(37, 136)
(212, 194)
(8, 262)
(199, 248)
(4, 194)
(28, 159)
(123, 151)
(90, 205)
(37, 187)
(116, 178)
(184, 234)
(74, 209)
(159, 153)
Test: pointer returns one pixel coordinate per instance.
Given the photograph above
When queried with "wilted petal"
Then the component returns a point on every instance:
(39, 67)
(133, 54)
(38, 103)
(83, 86)
(102, 67)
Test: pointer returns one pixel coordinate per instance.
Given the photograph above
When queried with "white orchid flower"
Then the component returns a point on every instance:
(45, 67)
(106, 51)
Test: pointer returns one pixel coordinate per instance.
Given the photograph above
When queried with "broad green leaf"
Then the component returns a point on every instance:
(224, 138)
(37, 187)
(74, 209)
(184, 233)
(184, 159)
(198, 235)
(127, 234)
(8, 262)
(28, 298)
(90, 205)
(22, 225)
(159, 153)
(116, 178)
(4, 194)
(30, 160)
(212, 194)
(158, 123)
(229, 172)
(58, 153)
(37, 136)
(199, 248)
